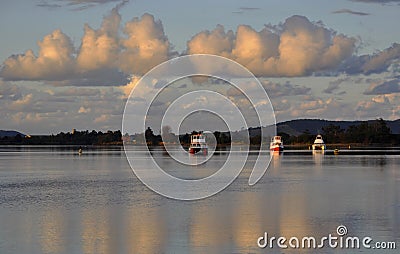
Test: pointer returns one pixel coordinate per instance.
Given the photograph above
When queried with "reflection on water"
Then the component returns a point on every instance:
(52, 239)
(95, 232)
(318, 157)
(53, 201)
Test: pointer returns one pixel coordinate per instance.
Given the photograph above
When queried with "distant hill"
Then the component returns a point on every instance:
(10, 134)
(314, 126)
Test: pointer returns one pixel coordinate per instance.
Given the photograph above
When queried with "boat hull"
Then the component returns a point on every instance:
(198, 150)
(276, 148)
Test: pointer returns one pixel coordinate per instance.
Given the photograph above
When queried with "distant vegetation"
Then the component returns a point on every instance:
(69, 138)
(150, 138)
(364, 133)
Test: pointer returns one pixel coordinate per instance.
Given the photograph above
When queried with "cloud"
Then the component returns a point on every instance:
(376, 1)
(347, 11)
(105, 57)
(335, 85)
(55, 60)
(146, 45)
(382, 60)
(215, 42)
(386, 87)
(73, 2)
(374, 108)
(331, 88)
(100, 48)
(249, 8)
(311, 106)
(296, 48)
(286, 89)
(83, 110)
(9, 92)
(79, 4)
(53, 109)
(48, 5)
(273, 89)
(74, 91)
(376, 63)
(127, 89)
(22, 103)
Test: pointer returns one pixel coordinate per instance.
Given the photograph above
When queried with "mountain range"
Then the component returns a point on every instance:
(8, 133)
(314, 126)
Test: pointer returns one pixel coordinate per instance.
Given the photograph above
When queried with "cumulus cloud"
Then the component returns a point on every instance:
(99, 48)
(55, 60)
(347, 11)
(108, 55)
(105, 57)
(146, 45)
(212, 42)
(298, 47)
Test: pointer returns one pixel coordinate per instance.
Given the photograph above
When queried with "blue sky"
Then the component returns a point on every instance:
(350, 70)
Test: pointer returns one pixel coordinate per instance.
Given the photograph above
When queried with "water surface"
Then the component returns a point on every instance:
(54, 201)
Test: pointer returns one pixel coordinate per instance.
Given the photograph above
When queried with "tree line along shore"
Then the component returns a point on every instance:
(366, 133)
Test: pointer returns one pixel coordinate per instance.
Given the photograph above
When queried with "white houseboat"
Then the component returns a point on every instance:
(276, 144)
(198, 144)
(319, 143)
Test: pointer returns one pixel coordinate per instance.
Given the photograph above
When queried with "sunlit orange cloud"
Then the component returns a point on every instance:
(297, 47)
(142, 45)
(300, 48)
(127, 89)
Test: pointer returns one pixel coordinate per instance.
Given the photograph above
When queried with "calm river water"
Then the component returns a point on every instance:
(54, 201)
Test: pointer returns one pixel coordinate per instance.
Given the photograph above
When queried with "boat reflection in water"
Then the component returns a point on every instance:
(318, 157)
(276, 158)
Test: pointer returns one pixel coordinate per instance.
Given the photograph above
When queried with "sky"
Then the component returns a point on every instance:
(68, 64)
